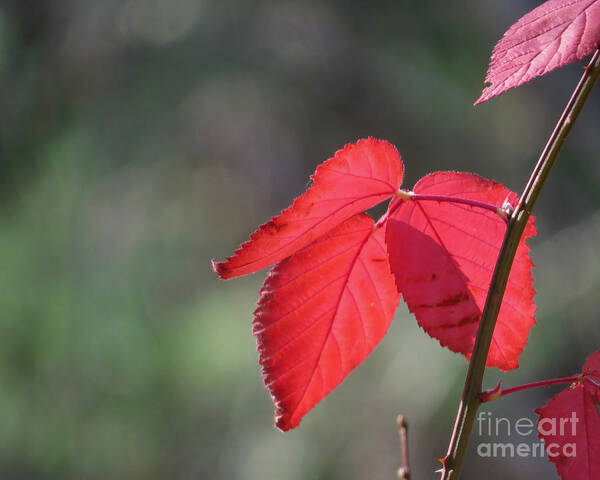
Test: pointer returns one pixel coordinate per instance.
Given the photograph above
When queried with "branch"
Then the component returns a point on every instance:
(404, 470)
(470, 401)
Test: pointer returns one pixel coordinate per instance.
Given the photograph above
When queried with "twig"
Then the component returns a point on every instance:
(470, 402)
(404, 470)
(498, 392)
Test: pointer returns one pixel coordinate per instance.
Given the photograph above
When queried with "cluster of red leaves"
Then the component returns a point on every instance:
(338, 277)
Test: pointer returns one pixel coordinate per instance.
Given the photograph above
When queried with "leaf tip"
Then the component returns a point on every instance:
(484, 97)
(283, 421)
(220, 268)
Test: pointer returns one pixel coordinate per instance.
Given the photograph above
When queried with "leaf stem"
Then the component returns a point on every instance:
(470, 402)
(497, 392)
(465, 201)
(406, 195)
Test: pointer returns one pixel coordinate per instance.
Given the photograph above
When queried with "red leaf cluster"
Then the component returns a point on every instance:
(338, 277)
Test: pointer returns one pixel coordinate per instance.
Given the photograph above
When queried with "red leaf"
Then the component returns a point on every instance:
(358, 177)
(574, 448)
(320, 313)
(550, 36)
(443, 255)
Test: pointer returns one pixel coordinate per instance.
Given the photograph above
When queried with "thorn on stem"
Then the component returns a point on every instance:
(444, 462)
(492, 394)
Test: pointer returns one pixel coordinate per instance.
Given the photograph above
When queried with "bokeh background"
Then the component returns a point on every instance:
(141, 138)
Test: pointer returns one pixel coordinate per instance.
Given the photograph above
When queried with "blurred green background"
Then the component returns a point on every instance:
(141, 138)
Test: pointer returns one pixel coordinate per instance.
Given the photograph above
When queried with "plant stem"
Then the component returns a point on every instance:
(470, 402)
(496, 393)
(404, 470)
(417, 197)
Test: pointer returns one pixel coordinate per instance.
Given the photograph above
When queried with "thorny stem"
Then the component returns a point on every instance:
(470, 402)
(498, 391)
